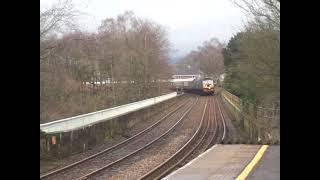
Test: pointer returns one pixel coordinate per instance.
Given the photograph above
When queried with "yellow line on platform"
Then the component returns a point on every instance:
(244, 174)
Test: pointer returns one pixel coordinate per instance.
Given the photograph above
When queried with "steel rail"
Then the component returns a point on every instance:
(153, 172)
(114, 146)
(140, 149)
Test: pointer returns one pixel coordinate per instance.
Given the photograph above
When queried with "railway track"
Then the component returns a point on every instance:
(133, 130)
(233, 135)
(92, 174)
(75, 166)
(142, 162)
(209, 134)
(200, 141)
(214, 118)
(221, 124)
(210, 130)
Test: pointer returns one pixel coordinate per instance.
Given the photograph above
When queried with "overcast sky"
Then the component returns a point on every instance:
(188, 22)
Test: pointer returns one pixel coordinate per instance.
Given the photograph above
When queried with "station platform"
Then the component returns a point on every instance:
(223, 162)
(268, 168)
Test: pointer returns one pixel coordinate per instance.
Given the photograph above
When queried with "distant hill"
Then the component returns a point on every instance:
(175, 59)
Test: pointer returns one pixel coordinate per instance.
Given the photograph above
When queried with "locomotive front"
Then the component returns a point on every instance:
(208, 86)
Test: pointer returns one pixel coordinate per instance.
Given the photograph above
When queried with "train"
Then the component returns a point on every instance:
(194, 84)
(208, 86)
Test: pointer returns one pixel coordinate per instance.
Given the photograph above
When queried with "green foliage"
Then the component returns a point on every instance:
(252, 57)
(253, 65)
(232, 49)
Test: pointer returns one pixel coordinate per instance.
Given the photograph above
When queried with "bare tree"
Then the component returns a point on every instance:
(211, 57)
(262, 10)
(130, 53)
(61, 15)
(208, 59)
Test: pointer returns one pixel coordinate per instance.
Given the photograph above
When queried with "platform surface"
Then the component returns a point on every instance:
(268, 168)
(221, 162)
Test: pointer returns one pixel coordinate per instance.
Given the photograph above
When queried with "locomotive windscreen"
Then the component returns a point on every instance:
(207, 82)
